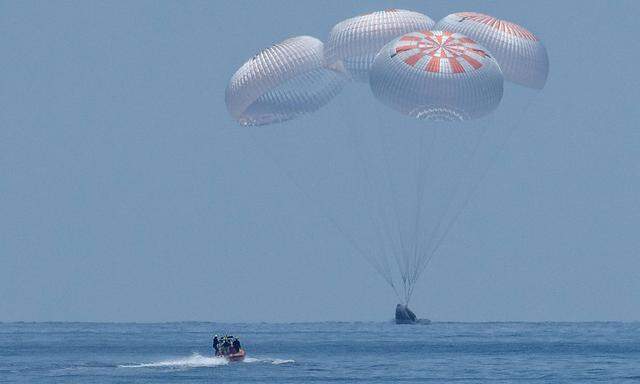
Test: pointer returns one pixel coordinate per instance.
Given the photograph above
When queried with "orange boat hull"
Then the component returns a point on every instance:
(238, 356)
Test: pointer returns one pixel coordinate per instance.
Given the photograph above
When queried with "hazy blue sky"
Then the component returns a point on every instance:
(127, 192)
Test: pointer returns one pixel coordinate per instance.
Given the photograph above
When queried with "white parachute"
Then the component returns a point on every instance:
(282, 82)
(356, 41)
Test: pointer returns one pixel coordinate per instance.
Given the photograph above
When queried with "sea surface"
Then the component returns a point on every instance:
(322, 353)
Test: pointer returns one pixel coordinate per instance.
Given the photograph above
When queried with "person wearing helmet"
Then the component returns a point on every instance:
(236, 345)
(216, 348)
(225, 345)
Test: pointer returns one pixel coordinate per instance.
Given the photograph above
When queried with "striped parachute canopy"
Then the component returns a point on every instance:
(435, 75)
(522, 58)
(356, 41)
(282, 82)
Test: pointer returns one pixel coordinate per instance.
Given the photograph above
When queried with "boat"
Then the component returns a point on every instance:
(228, 347)
(237, 356)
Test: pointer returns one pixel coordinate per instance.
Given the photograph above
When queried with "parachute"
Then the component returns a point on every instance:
(522, 58)
(410, 172)
(282, 82)
(437, 75)
(356, 41)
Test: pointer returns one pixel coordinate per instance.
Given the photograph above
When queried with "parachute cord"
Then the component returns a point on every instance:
(483, 175)
(419, 186)
(422, 178)
(380, 228)
(426, 246)
(485, 171)
(323, 210)
(422, 169)
(451, 199)
(381, 265)
(402, 268)
(381, 225)
(396, 254)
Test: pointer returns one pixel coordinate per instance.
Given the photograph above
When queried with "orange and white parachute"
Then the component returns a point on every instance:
(356, 41)
(437, 75)
(522, 57)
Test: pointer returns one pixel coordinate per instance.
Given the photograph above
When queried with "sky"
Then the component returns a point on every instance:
(127, 193)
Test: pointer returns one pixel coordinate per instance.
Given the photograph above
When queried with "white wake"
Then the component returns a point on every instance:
(194, 361)
(198, 361)
(282, 361)
(268, 360)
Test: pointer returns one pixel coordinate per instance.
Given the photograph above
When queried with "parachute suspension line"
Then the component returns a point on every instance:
(378, 221)
(430, 252)
(374, 206)
(401, 259)
(419, 187)
(458, 183)
(323, 209)
(422, 170)
(426, 246)
(484, 172)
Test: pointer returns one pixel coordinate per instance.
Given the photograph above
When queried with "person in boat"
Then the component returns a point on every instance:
(216, 348)
(225, 346)
(236, 345)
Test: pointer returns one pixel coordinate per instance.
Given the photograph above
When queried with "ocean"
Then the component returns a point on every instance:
(332, 352)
